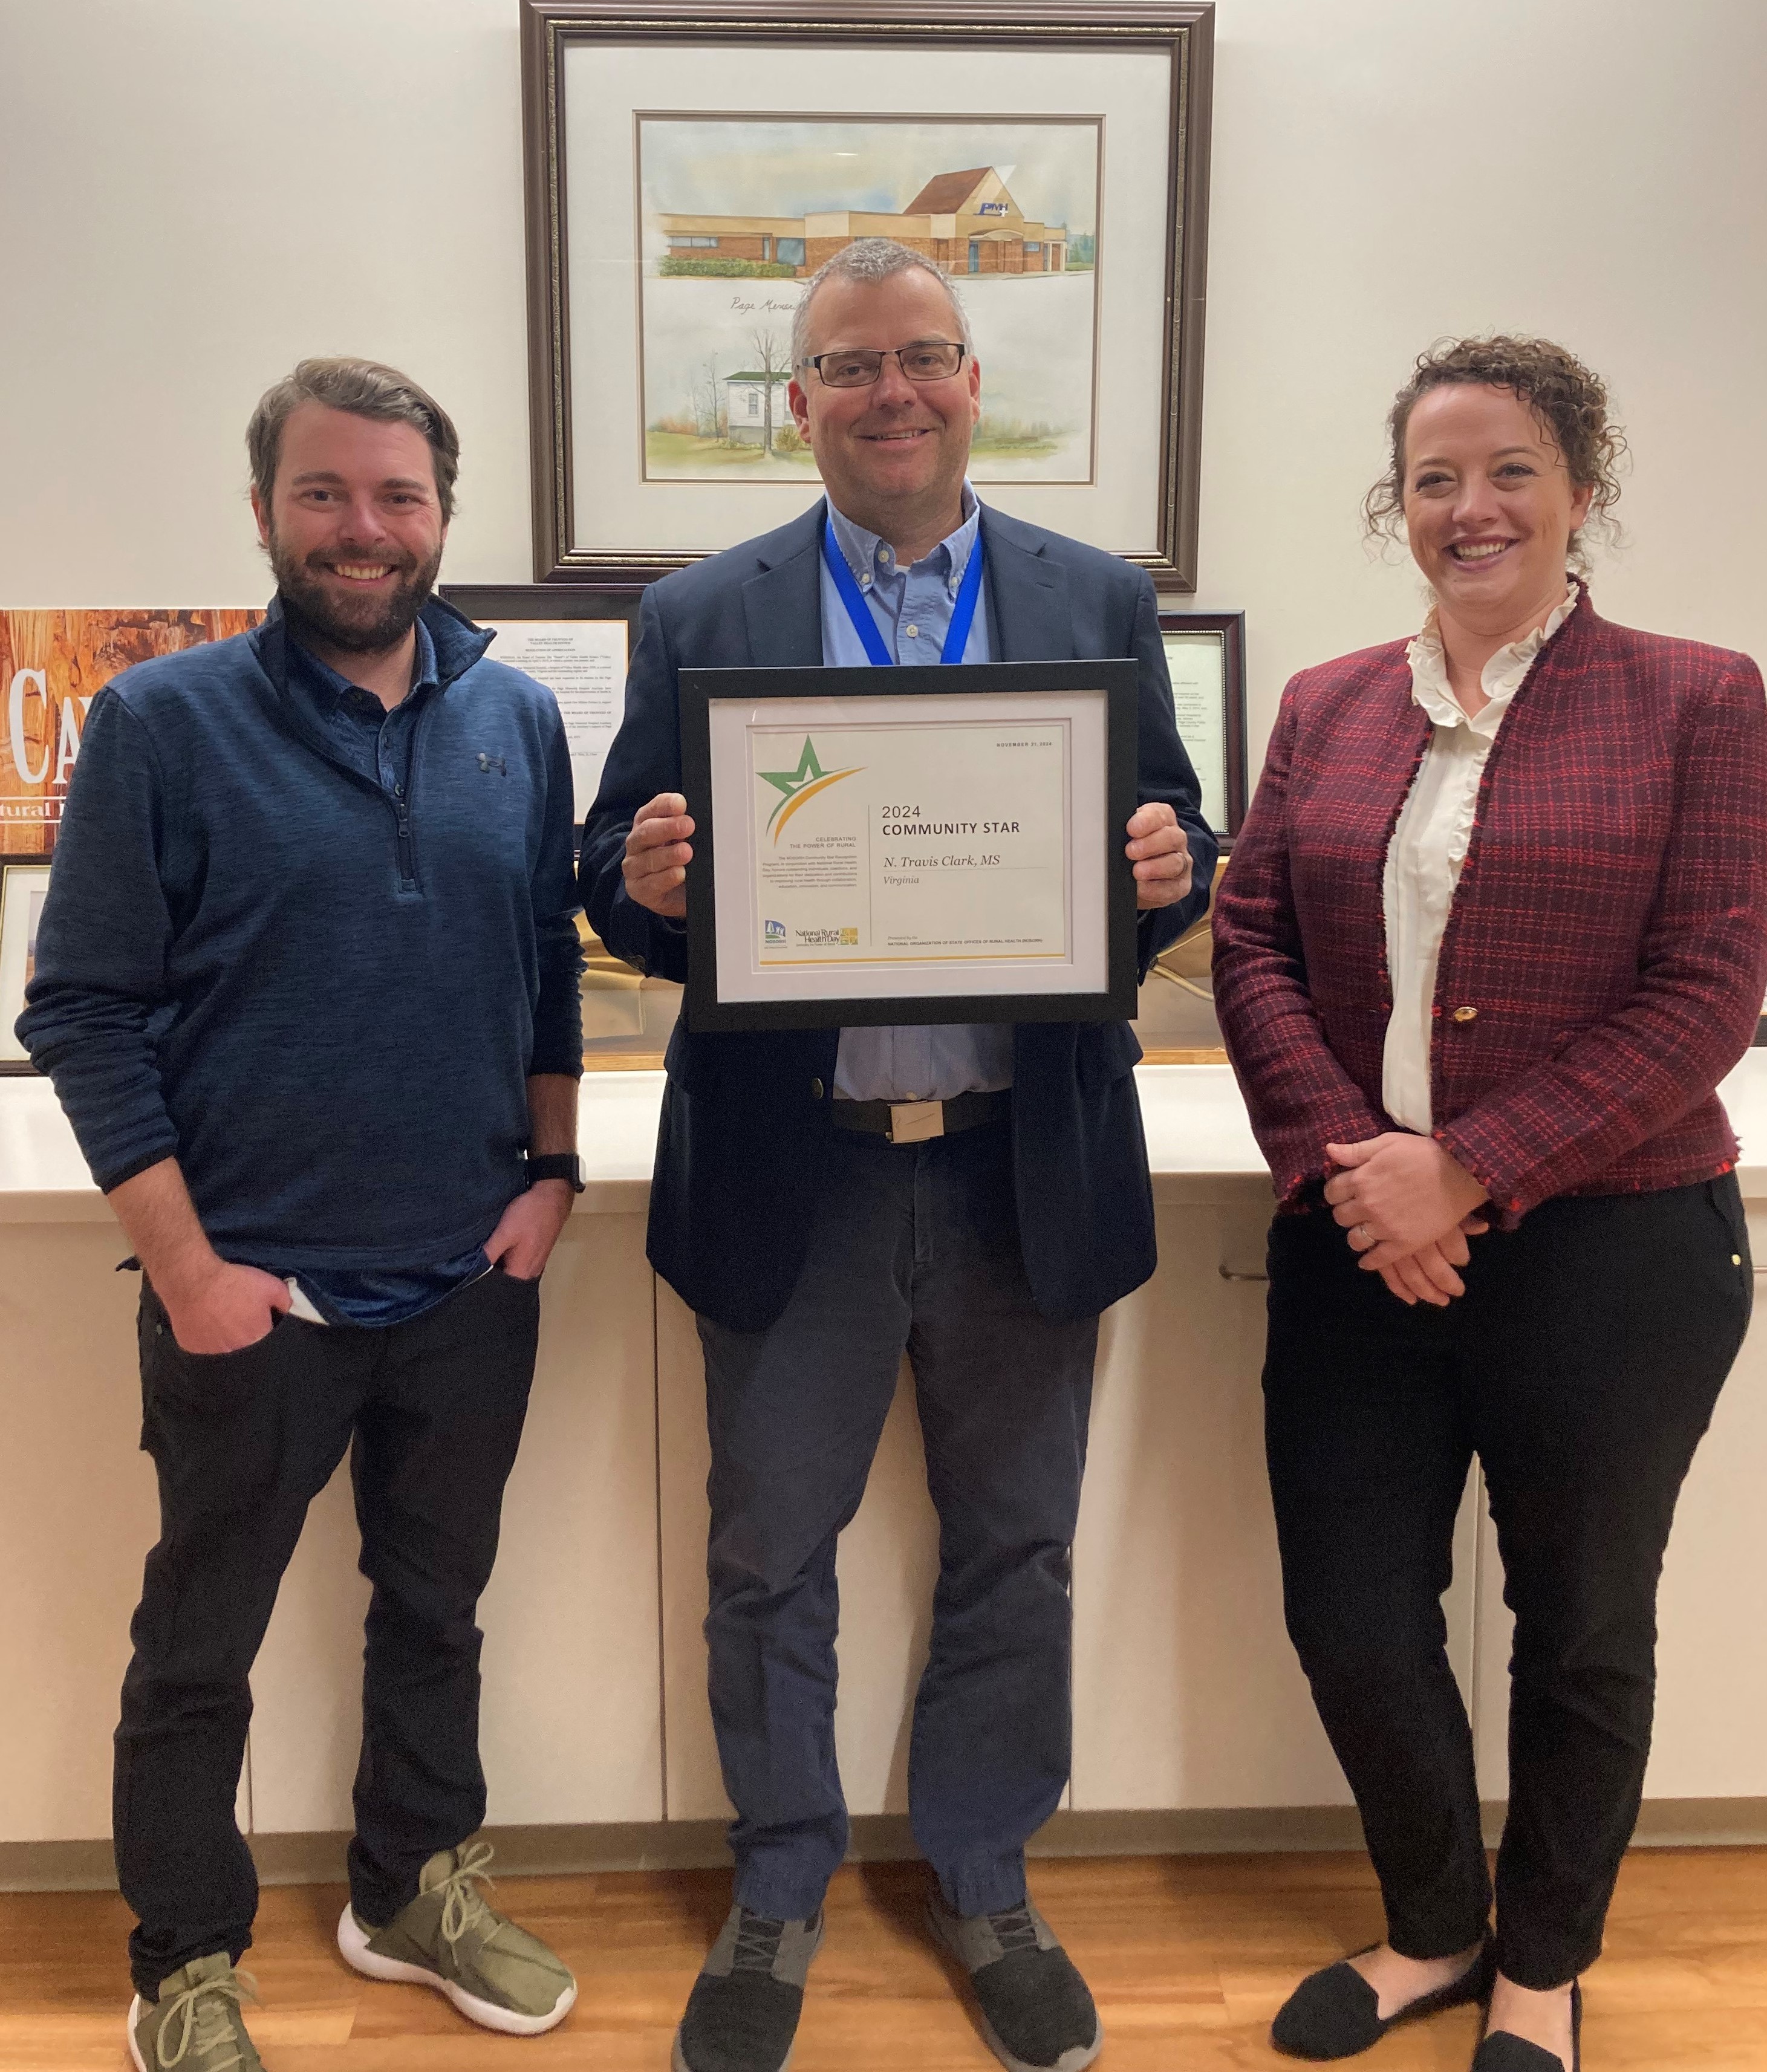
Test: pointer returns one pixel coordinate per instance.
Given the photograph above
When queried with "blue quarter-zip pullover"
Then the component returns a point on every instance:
(322, 996)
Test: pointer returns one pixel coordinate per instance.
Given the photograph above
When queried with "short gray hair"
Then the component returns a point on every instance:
(870, 260)
(366, 388)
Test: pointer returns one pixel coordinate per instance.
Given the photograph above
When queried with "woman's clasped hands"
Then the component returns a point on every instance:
(1408, 1208)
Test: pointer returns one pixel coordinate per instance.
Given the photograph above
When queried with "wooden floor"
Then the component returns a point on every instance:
(1188, 1957)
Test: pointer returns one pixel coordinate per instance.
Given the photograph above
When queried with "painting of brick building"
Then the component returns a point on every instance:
(736, 212)
(964, 222)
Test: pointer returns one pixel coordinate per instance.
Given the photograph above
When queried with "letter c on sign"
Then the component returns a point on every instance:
(24, 680)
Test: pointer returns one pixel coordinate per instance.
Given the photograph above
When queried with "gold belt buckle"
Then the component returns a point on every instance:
(912, 1122)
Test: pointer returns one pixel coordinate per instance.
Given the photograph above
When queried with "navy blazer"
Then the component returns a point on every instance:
(745, 1118)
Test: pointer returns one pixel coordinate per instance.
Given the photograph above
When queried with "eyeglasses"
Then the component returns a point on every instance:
(931, 360)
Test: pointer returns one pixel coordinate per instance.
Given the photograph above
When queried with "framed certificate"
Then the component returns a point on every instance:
(577, 642)
(910, 844)
(1205, 654)
(24, 884)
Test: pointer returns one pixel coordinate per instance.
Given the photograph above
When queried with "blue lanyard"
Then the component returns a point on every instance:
(963, 612)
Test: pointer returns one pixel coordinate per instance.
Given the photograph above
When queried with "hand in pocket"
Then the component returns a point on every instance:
(235, 1307)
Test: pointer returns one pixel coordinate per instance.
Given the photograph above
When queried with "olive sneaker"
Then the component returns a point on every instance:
(450, 1939)
(742, 2014)
(195, 2024)
(1037, 2014)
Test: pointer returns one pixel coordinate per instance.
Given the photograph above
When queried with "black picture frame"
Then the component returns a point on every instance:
(483, 601)
(12, 1004)
(1117, 679)
(1231, 628)
(480, 601)
(939, 32)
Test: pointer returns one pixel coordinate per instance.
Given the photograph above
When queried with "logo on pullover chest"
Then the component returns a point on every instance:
(493, 763)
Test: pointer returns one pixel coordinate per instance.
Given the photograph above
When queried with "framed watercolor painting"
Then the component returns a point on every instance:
(689, 168)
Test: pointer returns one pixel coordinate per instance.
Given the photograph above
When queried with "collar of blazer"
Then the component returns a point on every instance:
(782, 606)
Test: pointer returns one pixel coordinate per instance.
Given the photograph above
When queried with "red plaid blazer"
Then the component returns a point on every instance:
(1604, 958)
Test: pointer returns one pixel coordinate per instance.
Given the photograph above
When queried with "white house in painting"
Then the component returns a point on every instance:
(745, 406)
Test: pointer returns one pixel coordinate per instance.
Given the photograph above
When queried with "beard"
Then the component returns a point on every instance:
(363, 625)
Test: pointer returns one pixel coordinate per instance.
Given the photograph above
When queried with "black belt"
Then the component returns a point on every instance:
(912, 1122)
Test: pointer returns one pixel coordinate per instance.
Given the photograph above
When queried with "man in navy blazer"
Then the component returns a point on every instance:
(815, 1246)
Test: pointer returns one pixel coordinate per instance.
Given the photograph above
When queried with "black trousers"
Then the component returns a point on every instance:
(431, 1413)
(1581, 1367)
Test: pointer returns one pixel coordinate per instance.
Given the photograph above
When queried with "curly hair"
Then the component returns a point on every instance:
(1569, 400)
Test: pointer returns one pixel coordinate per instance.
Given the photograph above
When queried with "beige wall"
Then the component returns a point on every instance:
(194, 192)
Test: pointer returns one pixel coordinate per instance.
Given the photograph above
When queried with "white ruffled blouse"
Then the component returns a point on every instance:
(1428, 849)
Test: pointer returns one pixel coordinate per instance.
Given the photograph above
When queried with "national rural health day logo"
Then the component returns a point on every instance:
(797, 787)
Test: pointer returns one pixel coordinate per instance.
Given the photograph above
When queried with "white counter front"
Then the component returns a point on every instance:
(1186, 1694)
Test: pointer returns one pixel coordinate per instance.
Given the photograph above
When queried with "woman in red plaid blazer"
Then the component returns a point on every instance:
(1495, 928)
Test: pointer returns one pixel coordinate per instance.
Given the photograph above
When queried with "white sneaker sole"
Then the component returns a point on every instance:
(353, 1947)
(137, 2009)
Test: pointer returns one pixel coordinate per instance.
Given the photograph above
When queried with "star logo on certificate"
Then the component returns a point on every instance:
(796, 786)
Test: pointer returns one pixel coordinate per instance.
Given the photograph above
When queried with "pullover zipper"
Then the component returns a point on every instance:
(407, 865)
(400, 800)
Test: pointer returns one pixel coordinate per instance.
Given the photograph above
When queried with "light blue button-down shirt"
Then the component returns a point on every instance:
(913, 608)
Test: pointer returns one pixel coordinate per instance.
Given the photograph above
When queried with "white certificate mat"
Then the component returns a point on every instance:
(582, 663)
(24, 884)
(1198, 664)
(912, 854)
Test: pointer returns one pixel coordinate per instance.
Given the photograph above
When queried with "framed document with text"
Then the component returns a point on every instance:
(577, 642)
(909, 844)
(1205, 656)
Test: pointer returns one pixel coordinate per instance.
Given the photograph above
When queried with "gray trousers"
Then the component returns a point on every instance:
(915, 1246)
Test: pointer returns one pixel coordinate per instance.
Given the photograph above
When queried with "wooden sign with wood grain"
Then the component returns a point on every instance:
(52, 665)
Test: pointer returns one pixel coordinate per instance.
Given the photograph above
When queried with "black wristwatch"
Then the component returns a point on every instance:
(557, 1165)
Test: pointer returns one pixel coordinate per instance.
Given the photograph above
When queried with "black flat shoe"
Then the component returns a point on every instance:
(1336, 2013)
(1504, 2052)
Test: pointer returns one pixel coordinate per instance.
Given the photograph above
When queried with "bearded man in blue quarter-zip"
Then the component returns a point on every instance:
(819, 1231)
(306, 986)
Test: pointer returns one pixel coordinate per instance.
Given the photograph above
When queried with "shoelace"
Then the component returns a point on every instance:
(757, 1942)
(463, 1904)
(198, 2018)
(1014, 1929)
